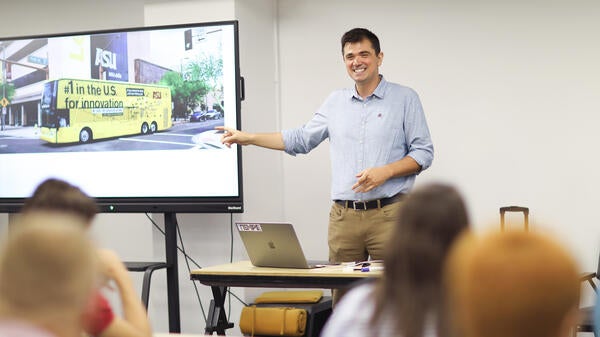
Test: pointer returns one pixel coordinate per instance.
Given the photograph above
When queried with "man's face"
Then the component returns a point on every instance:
(362, 63)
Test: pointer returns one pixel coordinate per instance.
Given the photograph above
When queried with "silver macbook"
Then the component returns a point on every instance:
(271, 244)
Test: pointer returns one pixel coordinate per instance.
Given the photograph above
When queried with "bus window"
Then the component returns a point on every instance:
(47, 106)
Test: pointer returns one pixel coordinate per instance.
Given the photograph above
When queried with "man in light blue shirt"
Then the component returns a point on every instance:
(368, 137)
(379, 142)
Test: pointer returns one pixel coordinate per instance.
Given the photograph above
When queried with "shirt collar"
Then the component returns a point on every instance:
(379, 91)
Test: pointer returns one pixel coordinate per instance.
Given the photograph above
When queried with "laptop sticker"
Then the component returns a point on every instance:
(249, 227)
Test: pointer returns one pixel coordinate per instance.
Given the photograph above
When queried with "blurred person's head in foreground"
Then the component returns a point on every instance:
(48, 272)
(55, 195)
(430, 219)
(512, 284)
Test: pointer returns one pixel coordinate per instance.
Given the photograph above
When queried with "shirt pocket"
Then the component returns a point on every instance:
(386, 145)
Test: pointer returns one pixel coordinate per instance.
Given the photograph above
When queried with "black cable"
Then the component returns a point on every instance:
(163, 233)
(231, 293)
(231, 237)
(187, 259)
(239, 299)
(230, 259)
(190, 271)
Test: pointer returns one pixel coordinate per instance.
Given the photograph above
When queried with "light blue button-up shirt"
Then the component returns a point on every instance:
(381, 129)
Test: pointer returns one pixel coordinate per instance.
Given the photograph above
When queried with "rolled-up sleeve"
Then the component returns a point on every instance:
(305, 138)
(418, 138)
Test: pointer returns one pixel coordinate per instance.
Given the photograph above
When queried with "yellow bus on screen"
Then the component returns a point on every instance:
(74, 110)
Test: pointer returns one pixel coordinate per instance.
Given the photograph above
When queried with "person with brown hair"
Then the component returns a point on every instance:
(512, 284)
(408, 299)
(56, 196)
(48, 273)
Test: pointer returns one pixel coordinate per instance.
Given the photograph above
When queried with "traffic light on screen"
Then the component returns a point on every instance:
(188, 39)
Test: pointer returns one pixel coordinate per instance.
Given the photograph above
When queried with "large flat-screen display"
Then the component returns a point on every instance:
(126, 115)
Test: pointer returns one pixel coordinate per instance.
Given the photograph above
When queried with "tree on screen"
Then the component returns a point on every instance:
(185, 94)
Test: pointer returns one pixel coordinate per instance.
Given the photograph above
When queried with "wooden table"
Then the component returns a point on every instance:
(244, 274)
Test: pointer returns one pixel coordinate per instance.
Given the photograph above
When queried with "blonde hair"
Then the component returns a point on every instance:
(47, 266)
(516, 283)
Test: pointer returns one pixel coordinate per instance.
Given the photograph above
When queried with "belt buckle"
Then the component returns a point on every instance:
(364, 203)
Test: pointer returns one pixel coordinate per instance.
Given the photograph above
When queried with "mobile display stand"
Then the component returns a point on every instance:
(524, 210)
(171, 266)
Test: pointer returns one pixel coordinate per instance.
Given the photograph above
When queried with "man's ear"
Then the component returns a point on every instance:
(379, 58)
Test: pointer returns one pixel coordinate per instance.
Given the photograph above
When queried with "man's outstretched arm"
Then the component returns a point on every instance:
(267, 140)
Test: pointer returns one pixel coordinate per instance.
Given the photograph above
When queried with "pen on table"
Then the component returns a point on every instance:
(366, 269)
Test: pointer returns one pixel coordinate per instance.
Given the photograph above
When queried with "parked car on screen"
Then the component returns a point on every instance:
(213, 114)
(197, 116)
(201, 116)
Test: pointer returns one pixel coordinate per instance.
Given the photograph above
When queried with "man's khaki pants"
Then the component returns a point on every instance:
(357, 235)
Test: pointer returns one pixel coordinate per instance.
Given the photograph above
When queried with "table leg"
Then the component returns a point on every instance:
(217, 319)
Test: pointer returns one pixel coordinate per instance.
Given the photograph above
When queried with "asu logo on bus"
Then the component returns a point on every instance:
(75, 110)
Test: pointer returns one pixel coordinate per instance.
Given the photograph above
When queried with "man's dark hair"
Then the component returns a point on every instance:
(359, 34)
(59, 195)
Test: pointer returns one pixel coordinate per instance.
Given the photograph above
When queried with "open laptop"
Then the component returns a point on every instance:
(270, 244)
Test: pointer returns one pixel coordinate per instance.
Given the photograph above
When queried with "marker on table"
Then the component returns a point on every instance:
(374, 268)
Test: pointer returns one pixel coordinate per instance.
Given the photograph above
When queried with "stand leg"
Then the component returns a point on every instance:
(172, 272)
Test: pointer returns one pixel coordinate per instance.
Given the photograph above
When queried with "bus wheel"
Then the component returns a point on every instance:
(144, 128)
(85, 135)
(153, 127)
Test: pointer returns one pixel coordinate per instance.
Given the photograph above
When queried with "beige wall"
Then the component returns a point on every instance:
(509, 90)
